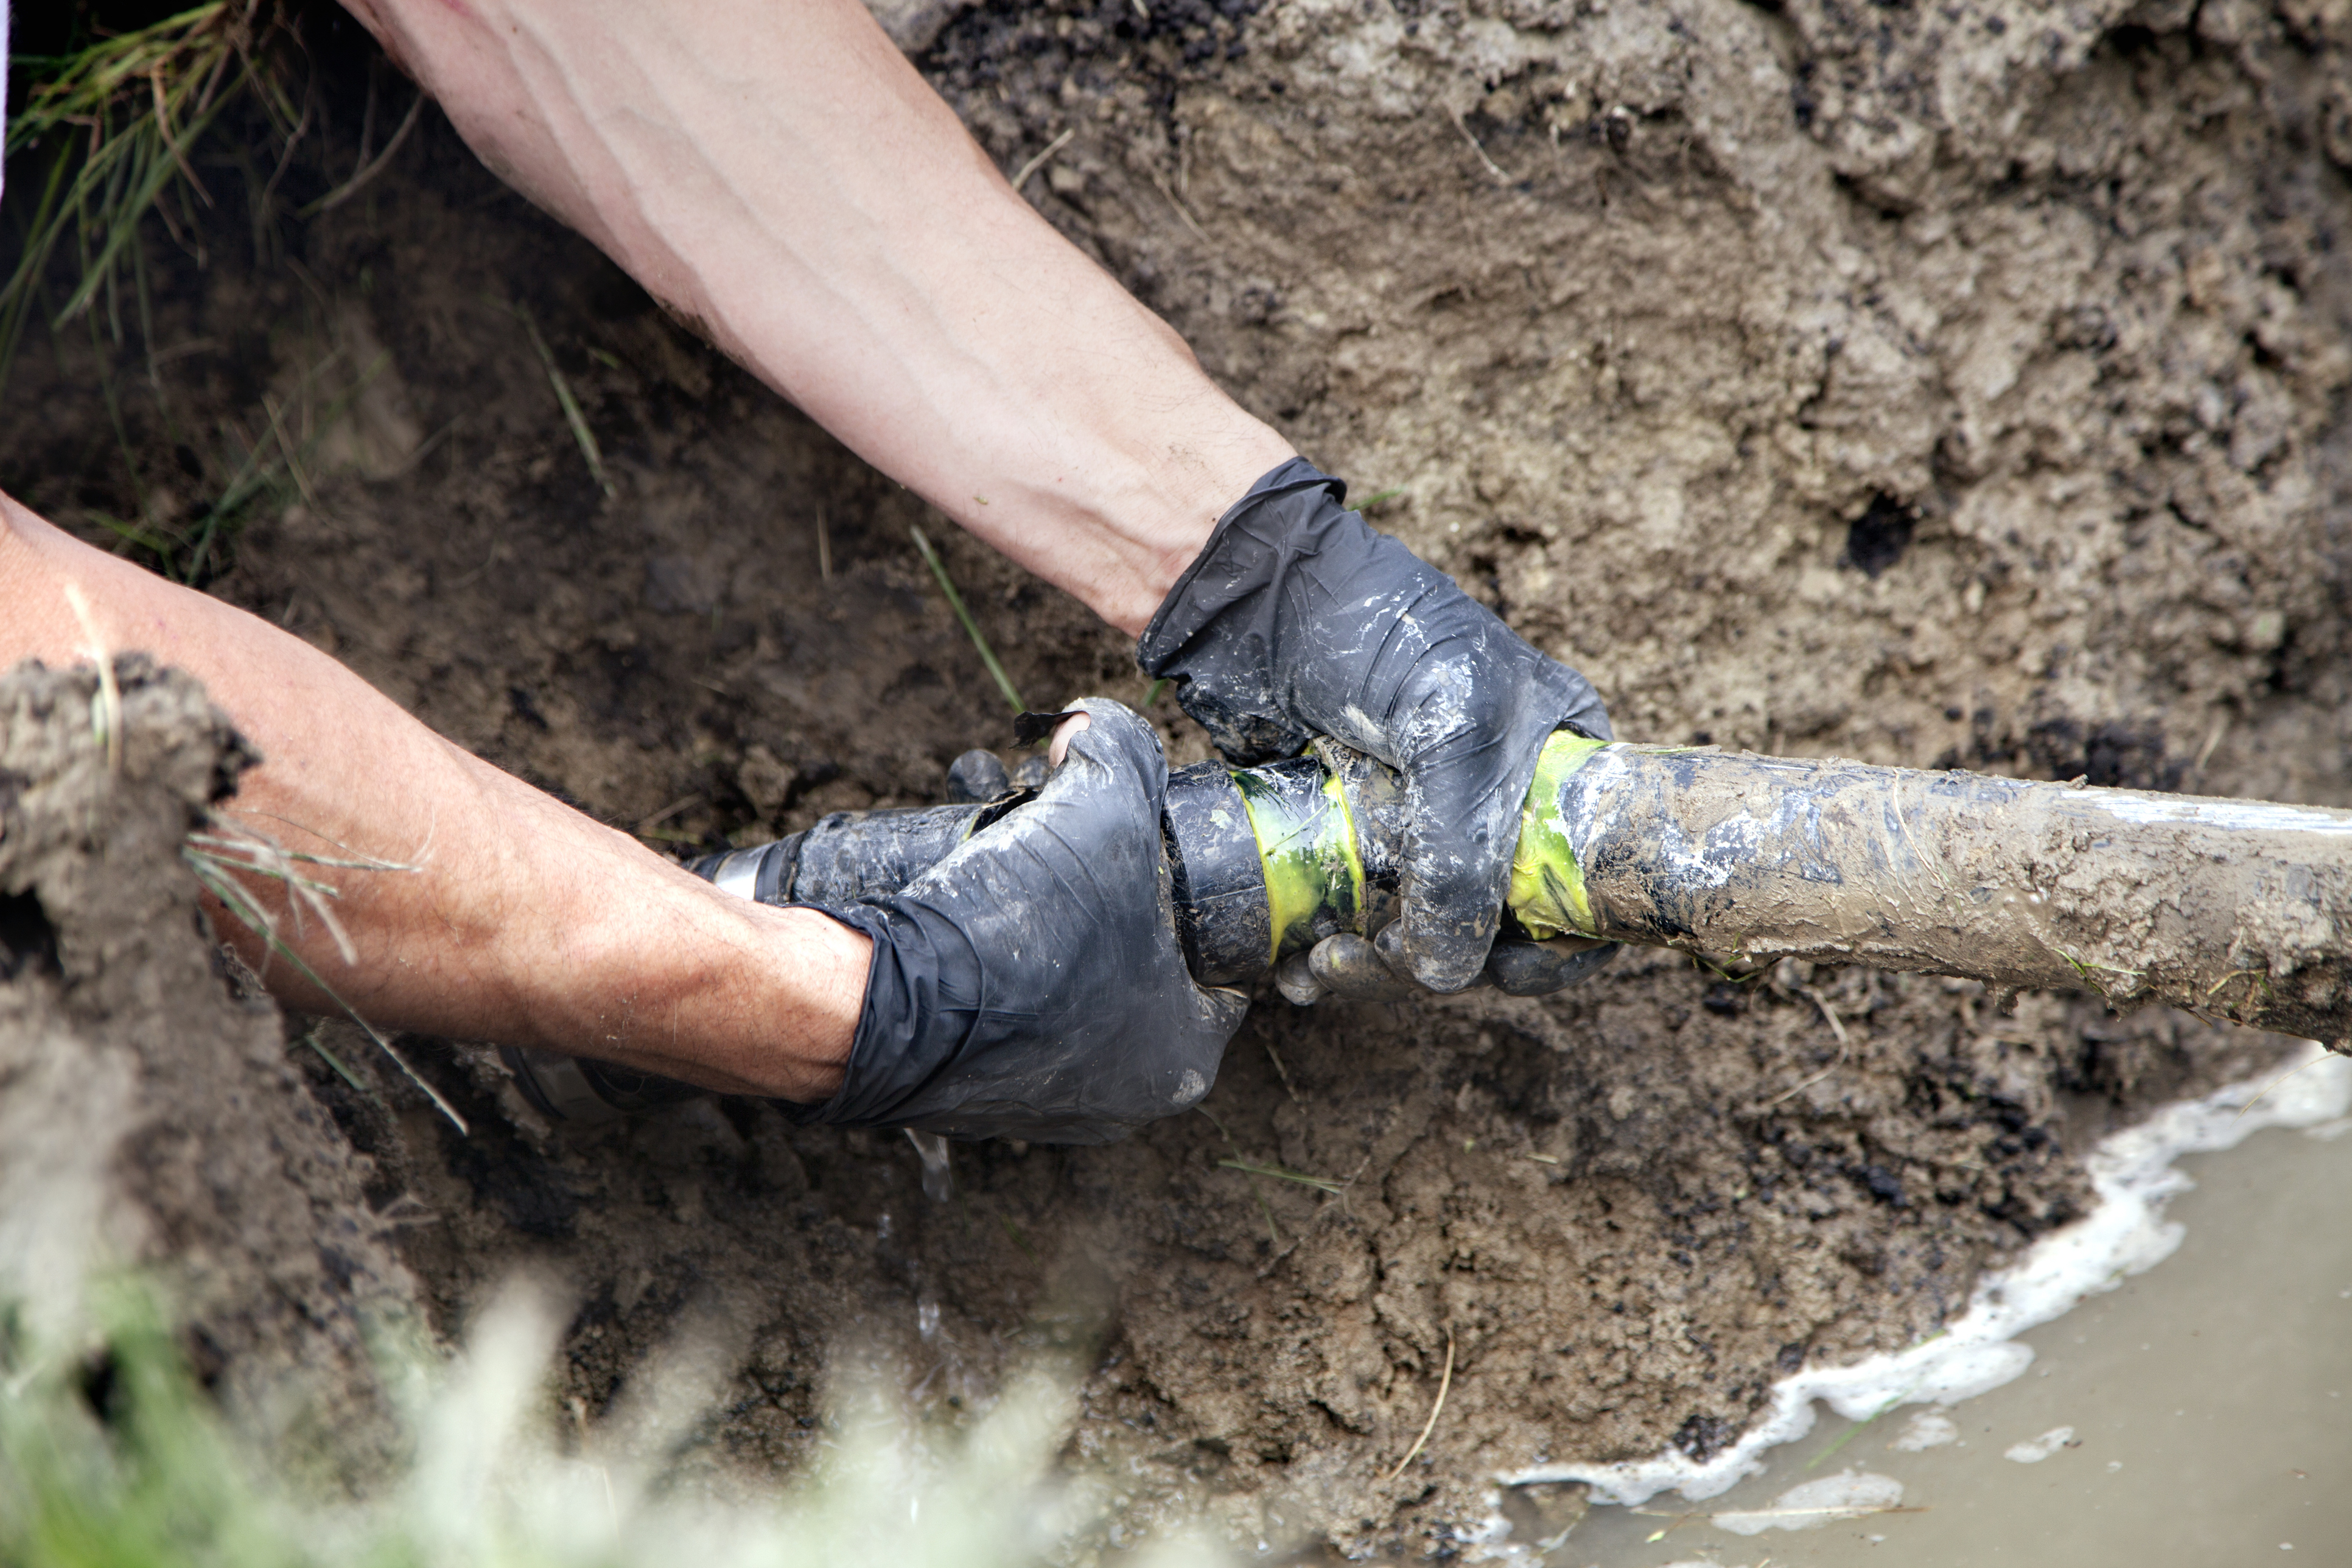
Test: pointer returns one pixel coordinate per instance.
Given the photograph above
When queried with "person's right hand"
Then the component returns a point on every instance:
(1031, 984)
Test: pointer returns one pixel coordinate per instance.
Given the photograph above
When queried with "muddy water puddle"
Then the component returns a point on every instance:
(2198, 1413)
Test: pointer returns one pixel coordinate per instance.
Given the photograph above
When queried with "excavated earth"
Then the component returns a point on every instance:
(149, 1117)
(1944, 385)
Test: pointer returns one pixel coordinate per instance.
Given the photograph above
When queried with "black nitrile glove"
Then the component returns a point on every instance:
(1298, 619)
(1031, 986)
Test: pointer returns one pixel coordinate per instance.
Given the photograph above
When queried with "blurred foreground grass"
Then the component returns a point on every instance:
(111, 1457)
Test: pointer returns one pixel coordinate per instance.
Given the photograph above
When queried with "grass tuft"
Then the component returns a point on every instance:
(111, 1456)
(220, 856)
(118, 118)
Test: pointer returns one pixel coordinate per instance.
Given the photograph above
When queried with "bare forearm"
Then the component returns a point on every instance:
(781, 175)
(518, 921)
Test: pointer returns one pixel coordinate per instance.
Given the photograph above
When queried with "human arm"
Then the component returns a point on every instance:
(518, 921)
(780, 175)
(923, 312)
(1030, 985)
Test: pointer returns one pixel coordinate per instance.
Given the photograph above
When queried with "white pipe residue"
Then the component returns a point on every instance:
(2125, 1234)
(1730, 845)
(2238, 815)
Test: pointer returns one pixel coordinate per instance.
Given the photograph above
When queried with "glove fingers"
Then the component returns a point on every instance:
(1115, 744)
(1119, 748)
(1346, 965)
(1452, 893)
(1220, 1010)
(1294, 978)
(977, 777)
(1541, 968)
(1589, 716)
(1241, 737)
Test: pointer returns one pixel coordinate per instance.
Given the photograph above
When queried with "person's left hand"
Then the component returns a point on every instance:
(1298, 619)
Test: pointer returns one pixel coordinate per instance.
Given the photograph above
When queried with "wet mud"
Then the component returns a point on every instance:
(1928, 390)
(2188, 1414)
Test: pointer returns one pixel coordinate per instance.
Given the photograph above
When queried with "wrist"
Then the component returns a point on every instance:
(1172, 506)
(803, 1017)
(675, 977)
(1134, 491)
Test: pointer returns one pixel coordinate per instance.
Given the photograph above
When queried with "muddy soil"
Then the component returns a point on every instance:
(1963, 386)
(149, 1119)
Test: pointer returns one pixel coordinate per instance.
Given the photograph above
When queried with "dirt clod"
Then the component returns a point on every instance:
(147, 1118)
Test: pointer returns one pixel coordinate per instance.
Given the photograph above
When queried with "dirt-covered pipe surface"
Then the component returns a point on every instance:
(2239, 909)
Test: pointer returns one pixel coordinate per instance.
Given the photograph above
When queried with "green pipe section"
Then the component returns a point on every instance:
(1309, 844)
(1314, 868)
(1546, 892)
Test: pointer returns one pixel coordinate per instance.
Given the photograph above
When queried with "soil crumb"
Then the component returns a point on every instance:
(149, 1120)
(1954, 387)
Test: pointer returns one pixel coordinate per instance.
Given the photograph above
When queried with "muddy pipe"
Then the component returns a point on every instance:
(2236, 910)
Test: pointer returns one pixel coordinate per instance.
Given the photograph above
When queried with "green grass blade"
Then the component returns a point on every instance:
(580, 435)
(972, 627)
(212, 871)
(310, 1038)
(1329, 1184)
(160, 168)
